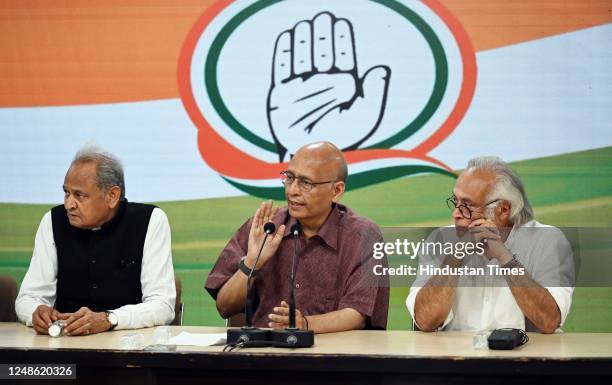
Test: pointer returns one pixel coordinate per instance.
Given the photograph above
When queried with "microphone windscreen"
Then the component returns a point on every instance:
(296, 229)
(269, 228)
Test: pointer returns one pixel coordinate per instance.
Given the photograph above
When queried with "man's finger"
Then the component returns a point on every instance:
(278, 318)
(64, 316)
(39, 329)
(75, 324)
(267, 212)
(476, 222)
(489, 236)
(254, 231)
(344, 51)
(281, 67)
(257, 217)
(54, 315)
(284, 304)
(302, 48)
(482, 229)
(483, 223)
(284, 311)
(322, 44)
(71, 328)
(74, 317)
(278, 237)
(485, 232)
(276, 325)
(38, 322)
(46, 317)
(273, 213)
(475, 230)
(84, 329)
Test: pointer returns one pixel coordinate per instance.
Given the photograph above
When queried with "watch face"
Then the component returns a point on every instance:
(112, 318)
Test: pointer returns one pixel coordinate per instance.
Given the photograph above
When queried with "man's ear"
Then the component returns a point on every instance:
(504, 209)
(339, 188)
(113, 196)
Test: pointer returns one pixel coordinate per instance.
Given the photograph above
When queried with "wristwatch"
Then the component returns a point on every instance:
(514, 262)
(245, 269)
(112, 319)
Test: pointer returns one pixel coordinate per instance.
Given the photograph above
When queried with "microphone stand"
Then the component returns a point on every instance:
(248, 332)
(293, 337)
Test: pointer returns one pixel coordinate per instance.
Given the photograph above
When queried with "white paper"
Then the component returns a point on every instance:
(193, 339)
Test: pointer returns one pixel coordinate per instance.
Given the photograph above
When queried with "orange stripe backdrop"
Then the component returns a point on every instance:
(84, 52)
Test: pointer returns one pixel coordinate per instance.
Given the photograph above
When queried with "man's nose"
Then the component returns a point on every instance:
(457, 214)
(293, 189)
(69, 202)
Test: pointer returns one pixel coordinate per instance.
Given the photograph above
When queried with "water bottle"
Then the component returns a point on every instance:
(162, 335)
(479, 340)
(57, 328)
(134, 341)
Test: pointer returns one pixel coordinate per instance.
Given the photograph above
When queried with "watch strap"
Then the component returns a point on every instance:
(245, 269)
(514, 262)
(108, 318)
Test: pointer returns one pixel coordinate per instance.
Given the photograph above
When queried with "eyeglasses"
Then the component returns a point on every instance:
(464, 209)
(304, 185)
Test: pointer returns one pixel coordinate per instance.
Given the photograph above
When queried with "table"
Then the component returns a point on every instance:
(355, 357)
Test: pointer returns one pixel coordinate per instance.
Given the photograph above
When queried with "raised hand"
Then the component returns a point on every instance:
(485, 230)
(264, 214)
(316, 93)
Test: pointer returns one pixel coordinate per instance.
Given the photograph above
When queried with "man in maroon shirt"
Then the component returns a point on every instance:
(335, 289)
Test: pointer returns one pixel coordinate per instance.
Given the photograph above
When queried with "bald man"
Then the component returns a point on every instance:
(333, 289)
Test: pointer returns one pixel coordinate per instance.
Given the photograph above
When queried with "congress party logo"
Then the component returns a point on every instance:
(385, 80)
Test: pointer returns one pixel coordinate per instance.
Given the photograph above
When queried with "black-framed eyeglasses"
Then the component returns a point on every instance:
(464, 209)
(304, 185)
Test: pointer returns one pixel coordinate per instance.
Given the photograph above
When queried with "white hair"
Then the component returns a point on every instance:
(109, 171)
(508, 187)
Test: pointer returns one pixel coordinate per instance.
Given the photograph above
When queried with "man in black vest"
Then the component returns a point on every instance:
(99, 261)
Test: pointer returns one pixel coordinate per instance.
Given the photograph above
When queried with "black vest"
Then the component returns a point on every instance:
(100, 269)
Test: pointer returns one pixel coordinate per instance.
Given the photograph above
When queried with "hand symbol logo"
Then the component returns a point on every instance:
(316, 93)
(327, 77)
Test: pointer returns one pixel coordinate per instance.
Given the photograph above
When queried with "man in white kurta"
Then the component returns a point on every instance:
(99, 261)
(489, 205)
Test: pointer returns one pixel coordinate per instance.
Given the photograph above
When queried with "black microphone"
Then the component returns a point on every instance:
(269, 228)
(296, 230)
(248, 332)
(292, 337)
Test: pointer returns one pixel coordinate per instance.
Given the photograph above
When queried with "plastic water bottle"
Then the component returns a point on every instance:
(479, 341)
(57, 328)
(162, 335)
(134, 341)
